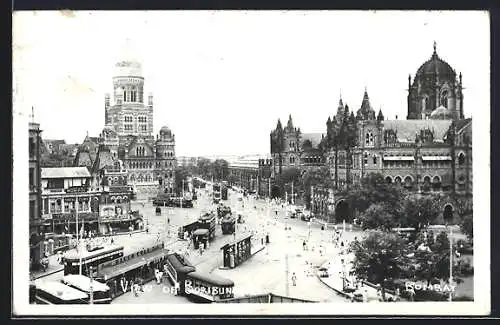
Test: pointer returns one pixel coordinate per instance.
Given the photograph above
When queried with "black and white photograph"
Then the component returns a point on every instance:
(285, 162)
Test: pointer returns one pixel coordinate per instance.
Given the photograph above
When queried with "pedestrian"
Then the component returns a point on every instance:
(411, 293)
(294, 279)
(160, 277)
(112, 241)
(304, 245)
(200, 248)
(397, 294)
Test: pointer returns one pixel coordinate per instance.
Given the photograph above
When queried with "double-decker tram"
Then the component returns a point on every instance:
(57, 293)
(176, 268)
(228, 224)
(208, 287)
(121, 273)
(208, 221)
(100, 292)
(73, 258)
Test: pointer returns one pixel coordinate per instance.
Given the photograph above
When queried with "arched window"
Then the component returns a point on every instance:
(436, 183)
(397, 180)
(365, 158)
(444, 98)
(125, 96)
(408, 182)
(388, 180)
(461, 159)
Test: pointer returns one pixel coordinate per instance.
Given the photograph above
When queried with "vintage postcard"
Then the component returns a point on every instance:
(284, 162)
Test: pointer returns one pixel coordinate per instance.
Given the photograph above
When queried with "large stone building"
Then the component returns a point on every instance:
(35, 190)
(431, 151)
(292, 148)
(128, 135)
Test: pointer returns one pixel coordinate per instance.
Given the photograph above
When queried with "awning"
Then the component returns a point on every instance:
(427, 158)
(399, 158)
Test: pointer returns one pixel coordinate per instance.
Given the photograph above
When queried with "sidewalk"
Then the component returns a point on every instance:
(335, 281)
(53, 267)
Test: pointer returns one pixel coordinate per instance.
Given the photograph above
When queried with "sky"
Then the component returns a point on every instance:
(222, 79)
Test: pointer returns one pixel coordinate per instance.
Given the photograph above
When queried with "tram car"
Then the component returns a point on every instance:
(189, 228)
(208, 221)
(228, 224)
(223, 210)
(207, 288)
(176, 268)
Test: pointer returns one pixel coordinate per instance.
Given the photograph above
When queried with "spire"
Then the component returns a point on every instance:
(380, 116)
(290, 123)
(434, 53)
(278, 126)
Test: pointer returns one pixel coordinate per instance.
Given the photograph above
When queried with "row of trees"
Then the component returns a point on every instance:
(387, 259)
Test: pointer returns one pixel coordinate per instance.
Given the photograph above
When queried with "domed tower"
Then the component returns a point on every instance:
(435, 84)
(165, 160)
(129, 114)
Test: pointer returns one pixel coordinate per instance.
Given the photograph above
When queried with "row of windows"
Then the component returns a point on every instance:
(147, 164)
(140, 119)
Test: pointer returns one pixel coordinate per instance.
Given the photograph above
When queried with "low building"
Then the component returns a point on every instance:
(67, 193)
(248, 172)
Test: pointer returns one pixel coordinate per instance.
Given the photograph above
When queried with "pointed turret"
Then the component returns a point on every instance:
(366, 112)
(380, 116)
(289, 125)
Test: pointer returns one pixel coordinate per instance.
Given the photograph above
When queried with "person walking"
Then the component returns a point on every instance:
(304, 245)
(294, 279)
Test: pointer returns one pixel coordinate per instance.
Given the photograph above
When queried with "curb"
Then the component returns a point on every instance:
(48, 273)
(339, 292)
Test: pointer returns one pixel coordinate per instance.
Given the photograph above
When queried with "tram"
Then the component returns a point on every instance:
(208, 221)
(99, 291)
(208, 287)
(119, 274)
(176, 268)
(228, 224)
(72, 259)
(57, 293)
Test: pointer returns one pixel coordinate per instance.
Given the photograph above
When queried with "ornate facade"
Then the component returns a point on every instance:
(292, 148)
(149, 161)
(435, 90)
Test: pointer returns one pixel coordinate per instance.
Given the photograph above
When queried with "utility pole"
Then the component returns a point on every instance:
(91, 286)
(287, 276)
(451, 264)
(78, 239)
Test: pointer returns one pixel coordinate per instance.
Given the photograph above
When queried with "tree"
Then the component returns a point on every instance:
(204, 167)
(380, 258)
(350, 140)
(378, 215)
(373, 189)
(318, 177)
(220, 169)
(467, 226)
(419, 211)
(181, 175)
(307, 145)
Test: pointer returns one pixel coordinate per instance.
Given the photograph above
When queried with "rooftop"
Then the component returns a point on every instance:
(65, 172)
(406, 130)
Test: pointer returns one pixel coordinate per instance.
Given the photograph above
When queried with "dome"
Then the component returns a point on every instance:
(165, 131)
(441, 113)
(436, 64)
